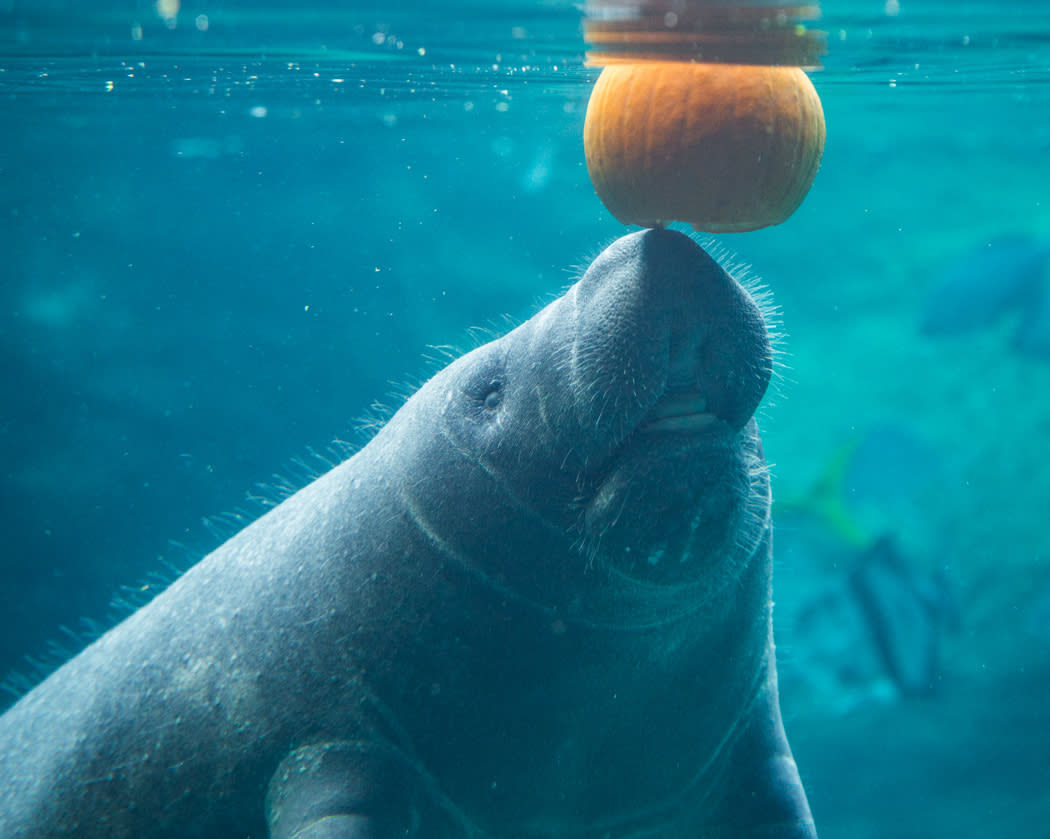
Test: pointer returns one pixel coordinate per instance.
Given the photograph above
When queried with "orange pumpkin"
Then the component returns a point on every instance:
(723, 147)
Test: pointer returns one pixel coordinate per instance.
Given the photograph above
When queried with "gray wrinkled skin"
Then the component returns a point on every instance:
(537, 604)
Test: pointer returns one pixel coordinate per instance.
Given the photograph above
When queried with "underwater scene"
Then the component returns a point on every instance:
(236, 236)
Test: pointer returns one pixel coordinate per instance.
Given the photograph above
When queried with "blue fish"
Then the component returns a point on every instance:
(1033, 333)
(905, 613)
(1004, 275)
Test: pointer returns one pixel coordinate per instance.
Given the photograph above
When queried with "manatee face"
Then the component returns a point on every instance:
(622, 412)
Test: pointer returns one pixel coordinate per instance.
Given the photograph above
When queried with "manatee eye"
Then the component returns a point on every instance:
(493, 396)
(485, 386)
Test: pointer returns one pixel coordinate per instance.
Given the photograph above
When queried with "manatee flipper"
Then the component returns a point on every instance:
(764, 796)
(341, 790)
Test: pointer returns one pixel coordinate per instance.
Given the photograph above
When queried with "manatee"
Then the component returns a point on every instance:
(536, 603)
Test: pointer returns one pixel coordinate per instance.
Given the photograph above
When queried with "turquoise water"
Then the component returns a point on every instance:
(229, 231)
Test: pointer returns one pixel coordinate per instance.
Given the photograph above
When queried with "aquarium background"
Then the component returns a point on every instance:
(234, 232)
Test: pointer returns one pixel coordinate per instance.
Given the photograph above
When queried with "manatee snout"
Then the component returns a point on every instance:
(666, 330)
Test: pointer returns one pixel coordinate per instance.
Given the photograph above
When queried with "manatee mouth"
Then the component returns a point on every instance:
(684, 411)
(671, 508)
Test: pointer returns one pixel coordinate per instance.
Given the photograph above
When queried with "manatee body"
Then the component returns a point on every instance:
(536, 604)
